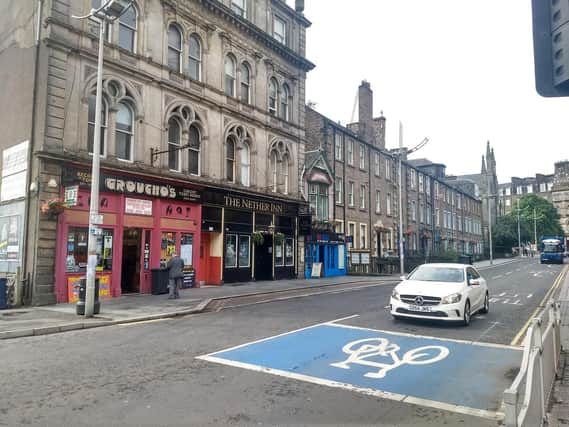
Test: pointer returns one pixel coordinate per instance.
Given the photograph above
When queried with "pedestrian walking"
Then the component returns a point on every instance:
(175, 269)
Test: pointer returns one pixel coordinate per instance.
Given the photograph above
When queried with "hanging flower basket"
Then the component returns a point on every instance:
(257, 238)
(279, 237)
(52, 207)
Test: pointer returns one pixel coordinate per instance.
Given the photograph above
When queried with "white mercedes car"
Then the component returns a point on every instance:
(450, 292)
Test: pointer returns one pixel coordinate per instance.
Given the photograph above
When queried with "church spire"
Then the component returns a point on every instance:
(483, 165)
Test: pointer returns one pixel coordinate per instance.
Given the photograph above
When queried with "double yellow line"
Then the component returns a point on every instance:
(521, 334)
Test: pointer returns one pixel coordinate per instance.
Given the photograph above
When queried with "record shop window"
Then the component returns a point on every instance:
(76, 259)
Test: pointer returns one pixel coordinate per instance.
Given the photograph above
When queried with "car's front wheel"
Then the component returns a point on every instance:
(466, 316)
(486, 307)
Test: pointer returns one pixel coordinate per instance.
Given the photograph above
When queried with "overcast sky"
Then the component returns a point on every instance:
(458, 72)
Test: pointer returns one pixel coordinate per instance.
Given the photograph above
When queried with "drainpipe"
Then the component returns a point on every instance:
(31, 147)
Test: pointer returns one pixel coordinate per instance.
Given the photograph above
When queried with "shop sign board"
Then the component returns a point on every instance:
(244, 202)
(138, 206)
(14, 166)
(132, 186)
(355, 258)
(71, 194)
(316, 269)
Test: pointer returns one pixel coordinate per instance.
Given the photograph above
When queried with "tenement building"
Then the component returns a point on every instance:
(202, 142)
(560, 195)
(365, 193)
(509, 193)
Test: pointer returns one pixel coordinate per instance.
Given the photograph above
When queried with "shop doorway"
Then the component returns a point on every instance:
(264, 259)
(131, 255)
(322, 258)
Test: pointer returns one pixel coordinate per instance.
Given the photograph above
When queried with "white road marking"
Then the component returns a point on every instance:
(530, 295)
(367, 391)
(492, 326)
(330, 322)
(497, 277)
(502, 294)
(508, 273)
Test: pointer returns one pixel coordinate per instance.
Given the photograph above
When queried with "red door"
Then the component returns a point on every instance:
(205, 265)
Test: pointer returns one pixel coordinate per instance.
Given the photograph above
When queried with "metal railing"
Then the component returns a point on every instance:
(525, 402)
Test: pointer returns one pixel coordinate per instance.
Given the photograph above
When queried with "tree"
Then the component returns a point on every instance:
(505, 233)
(546, 216)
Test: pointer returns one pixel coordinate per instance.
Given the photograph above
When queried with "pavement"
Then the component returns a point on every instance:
(43, 320)
(558, 411)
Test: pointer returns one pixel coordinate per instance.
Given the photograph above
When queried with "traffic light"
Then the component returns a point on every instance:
(551, 47)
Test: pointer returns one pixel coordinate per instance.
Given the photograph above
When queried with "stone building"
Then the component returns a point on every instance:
(509, 193)
(436, 216)
(485, 186)
(202, 140)
(560, 195)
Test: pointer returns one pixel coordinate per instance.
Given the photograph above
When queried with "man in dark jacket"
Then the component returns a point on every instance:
(175, 269)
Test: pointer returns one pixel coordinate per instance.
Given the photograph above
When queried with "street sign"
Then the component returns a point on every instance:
(97, 219)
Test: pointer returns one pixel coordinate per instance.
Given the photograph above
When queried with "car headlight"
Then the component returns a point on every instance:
(395, 295)
(451, 299)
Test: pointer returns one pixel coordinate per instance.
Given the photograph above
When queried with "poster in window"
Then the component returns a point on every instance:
(244, 245)
(289, 252)
(279, 258)
(231, 251)
(341, 257)
(364, 257)
(186, 249)
(355, 257)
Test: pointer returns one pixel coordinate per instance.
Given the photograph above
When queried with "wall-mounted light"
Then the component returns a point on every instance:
(52, 183)
(33, 187)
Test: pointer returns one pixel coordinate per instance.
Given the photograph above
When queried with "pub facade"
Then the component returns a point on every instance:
(246, 237)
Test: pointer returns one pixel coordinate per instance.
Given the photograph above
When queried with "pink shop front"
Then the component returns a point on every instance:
(144, 222)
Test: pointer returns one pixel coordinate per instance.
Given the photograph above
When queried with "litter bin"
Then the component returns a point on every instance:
(465, 259)
(159, 281)
(80, 306)
(3, 293)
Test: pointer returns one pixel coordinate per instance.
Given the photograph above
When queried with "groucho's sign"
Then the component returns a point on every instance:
(133, 186)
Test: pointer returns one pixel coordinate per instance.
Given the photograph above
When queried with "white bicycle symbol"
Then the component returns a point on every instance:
(361, 351)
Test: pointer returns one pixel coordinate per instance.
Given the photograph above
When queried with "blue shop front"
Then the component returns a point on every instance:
(326, 255)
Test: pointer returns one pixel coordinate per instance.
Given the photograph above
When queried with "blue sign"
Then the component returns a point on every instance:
(401, 367)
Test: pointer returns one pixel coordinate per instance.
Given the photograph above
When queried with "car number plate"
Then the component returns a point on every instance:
(419, 308)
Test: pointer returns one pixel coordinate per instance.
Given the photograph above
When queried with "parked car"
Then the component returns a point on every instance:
(449, 292)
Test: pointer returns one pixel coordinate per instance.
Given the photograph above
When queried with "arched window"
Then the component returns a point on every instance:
(174, 140)
(285, 112)
(285, 168)
(195, 58)
(174, 48)
(230, 159)
(127, 29)
(273, 94)
(124, 133)
(194, 151)
(229, 76)
(91, 125)
(274, 172)
(245, 164)
(245, 83)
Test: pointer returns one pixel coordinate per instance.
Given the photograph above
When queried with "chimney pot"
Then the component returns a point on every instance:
(299, 6)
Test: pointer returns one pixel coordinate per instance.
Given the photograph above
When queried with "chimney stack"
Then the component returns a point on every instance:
(299, 6)
(365, 112)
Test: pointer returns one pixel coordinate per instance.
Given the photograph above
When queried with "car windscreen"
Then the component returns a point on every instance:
(438, 274)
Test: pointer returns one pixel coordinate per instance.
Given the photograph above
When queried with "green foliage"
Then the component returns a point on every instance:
(505, 233)
(257, 238)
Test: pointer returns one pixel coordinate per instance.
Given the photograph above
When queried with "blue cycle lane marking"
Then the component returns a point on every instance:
(462, 376)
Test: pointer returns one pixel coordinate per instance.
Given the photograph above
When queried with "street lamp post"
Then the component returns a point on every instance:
(108, 12)
(489, 222)
(519, 235)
